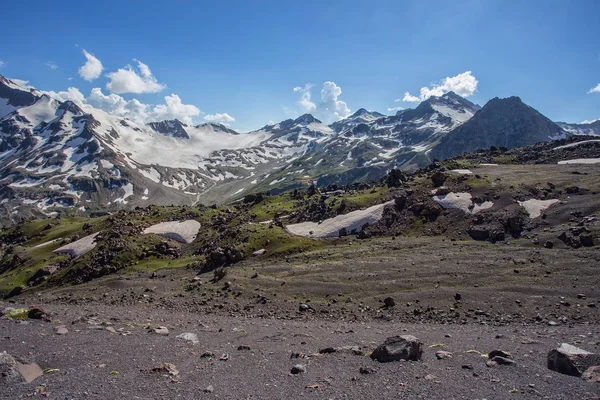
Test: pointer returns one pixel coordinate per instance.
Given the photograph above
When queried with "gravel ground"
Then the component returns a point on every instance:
(95, 363)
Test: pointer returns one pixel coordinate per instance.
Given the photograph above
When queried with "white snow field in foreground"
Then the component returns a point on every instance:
(576, 144)
(462, 171)
(181, 231)
(581, 161)
(462, 201)
(79, 247)
(534, 207)
(353, 221)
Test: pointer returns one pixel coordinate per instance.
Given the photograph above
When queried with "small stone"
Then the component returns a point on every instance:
(467, 366)
(166, 367)
(188, 337)
(207, 354)
(366, 370)
(161, 330)
(298, 369)
(241, 348)
(389, 302)
(499, 353)
(503, 361)
(209, 389)
(303, 307)
(443, 355)
(61, 330)
(581, 296)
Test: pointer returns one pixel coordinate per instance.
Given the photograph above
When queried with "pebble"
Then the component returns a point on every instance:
(298, 369)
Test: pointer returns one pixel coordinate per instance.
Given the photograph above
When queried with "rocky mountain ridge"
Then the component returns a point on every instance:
(63, 157)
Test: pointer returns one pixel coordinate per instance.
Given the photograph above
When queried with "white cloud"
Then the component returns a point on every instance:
(410, 98)
(393, 109)
(22, 82)
(174, 108)
(70, 78)
(117, 105)
(2, 63)
(589, 121)
(51, 65)
(223, 118)
(398, 100)
(329, 109)
(595, 89)
(132, 109)
(305, 103)
(92, 67)
(127, 80)
(73, 94)
(464, 84)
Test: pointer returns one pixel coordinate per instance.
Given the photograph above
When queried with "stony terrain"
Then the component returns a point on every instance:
(277, 315)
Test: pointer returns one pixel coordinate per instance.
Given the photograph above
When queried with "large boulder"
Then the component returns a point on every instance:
(570, 360)
(396, 348)
(438, 178)
(14, 371)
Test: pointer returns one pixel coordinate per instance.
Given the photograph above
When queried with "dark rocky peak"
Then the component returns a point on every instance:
(15, 95)
(173, 128)
(505, 122)
(217, 127)
(306, 119)
(69, 106)
(362, 112)
(454, 101)
(411, 114)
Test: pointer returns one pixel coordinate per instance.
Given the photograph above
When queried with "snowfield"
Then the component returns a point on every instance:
(181, 231)
(462, 201)
(79, 247)
(353, 222)
(534, 207)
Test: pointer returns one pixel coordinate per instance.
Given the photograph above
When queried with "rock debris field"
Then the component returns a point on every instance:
(99, 353)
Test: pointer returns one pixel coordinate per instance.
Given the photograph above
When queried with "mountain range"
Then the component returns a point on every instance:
(64, 157)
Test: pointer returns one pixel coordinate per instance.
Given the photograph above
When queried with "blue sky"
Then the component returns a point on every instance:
(242, 60)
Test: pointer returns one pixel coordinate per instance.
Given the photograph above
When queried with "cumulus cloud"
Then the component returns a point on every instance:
(73, 94)
(174, 108)
(464, 84)
(595, 89)
(133, 109)
(128, 80)
(329, 109)
(92, 67)
(223, 118)
(51, 65)
(117, 105)
(394, 109)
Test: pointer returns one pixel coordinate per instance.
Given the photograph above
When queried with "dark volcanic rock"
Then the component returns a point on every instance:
(405, 347)
(570, 360)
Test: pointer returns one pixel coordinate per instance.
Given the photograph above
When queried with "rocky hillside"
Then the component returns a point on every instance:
(69, 159)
